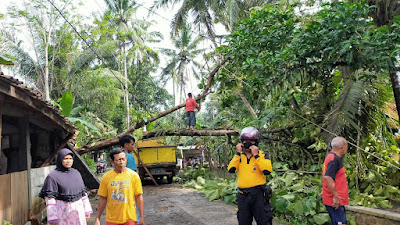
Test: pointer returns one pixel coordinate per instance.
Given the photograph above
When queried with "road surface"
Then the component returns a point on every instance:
(170, 204)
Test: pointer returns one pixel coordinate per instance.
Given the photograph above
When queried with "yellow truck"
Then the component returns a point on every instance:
(159, 159)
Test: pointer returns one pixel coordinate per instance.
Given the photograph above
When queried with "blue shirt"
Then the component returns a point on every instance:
(131, 164)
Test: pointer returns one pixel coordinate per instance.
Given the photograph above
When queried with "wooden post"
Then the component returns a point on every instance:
(25, 152)
(183, 159)
(145, 167)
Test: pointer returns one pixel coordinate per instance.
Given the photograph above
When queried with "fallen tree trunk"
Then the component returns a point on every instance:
(114, 141)
(205, 132)
(202, 132)
(183, 132)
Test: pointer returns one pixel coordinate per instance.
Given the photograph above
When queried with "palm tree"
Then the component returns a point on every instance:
(227, 12)
(201, 10)
(230, 12)
(131, 37)
(40, 20)
(182, 60)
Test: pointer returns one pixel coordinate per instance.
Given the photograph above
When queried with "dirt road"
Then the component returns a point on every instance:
(170, 204)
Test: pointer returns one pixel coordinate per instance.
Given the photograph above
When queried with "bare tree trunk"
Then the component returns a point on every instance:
(210, 31)
(126, 98)
(345, 70)
(46, 55)
(173, 90)
(46, 72)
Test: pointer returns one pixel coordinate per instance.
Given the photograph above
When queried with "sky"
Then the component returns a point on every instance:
(161, 21)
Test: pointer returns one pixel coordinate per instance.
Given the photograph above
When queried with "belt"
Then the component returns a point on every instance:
(250, 190)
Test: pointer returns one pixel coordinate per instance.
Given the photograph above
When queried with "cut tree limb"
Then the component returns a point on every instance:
(184, 132)
(114, 141)
(207, 132)
(247, 104)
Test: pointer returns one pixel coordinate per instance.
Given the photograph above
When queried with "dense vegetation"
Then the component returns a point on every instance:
(312, 69)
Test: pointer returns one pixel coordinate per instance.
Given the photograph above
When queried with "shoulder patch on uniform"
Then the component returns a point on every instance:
(266, 155)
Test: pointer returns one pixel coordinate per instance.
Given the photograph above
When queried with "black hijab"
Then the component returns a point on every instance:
(64, 184)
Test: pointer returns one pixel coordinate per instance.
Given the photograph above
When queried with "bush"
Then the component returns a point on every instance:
(90, 162)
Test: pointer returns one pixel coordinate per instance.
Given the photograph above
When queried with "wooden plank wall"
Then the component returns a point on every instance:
(14, 198)
(5, 198)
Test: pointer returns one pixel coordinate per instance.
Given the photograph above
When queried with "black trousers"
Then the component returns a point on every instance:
(254, 205)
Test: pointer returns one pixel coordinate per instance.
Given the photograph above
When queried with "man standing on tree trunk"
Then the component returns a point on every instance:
(190, 116)
(335, 193)
(252, 166)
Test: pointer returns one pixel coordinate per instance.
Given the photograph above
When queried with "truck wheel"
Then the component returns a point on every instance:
(169, 179)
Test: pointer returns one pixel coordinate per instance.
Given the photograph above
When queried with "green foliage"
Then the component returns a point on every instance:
(5, 61)
(182, 60)
(98, 91)
(65, 103)
(90, 162)
(5, 222)
(42, 25)
(324, 75)
(297, 198)
(92, 128)
(192, 174)
(213, 188)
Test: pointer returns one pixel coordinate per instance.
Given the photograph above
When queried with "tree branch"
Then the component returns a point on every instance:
(114, 141)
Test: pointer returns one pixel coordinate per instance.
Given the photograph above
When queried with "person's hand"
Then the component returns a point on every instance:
(97, 221)
(254, 150)
(336, 202)
(239, 147)
(87, 217)
(142, 221)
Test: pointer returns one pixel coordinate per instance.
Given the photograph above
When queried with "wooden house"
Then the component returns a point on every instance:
(32, 131)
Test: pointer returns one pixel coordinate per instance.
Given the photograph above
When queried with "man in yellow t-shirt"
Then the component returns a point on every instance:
(118, 190)
(252, 166)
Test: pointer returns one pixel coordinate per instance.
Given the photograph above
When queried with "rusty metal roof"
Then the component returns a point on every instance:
(35, 98)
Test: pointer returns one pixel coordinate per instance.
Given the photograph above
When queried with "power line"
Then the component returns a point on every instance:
(84, 40)
(112, 20)
(354, 145)
(123, 85)
(351, 143)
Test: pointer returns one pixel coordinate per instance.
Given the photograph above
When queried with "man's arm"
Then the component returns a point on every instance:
(101, 204)
(234, 164)
(139, 203)
(330, 183)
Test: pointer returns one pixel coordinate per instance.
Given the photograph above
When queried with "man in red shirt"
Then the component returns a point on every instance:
(190, 116)
(335, 193)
